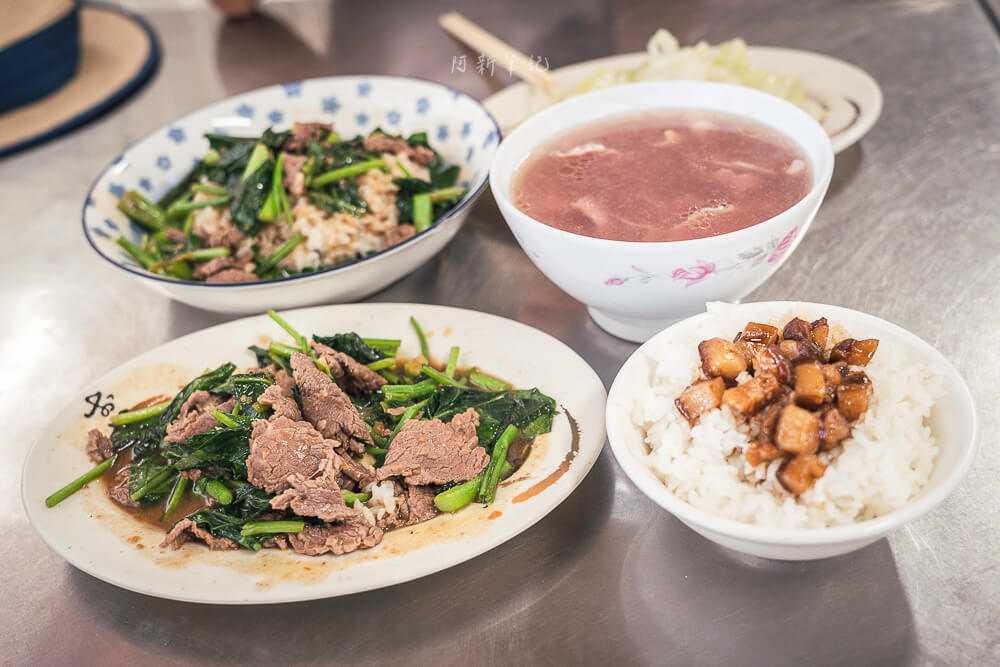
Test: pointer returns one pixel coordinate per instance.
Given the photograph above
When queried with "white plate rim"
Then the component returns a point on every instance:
(864, 93)
(591, 442)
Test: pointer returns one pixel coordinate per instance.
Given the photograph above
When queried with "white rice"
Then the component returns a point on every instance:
(886, 461)
(331, 238)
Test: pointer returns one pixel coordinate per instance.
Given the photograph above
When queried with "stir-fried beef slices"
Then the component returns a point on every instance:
(797, 393)
(119, 488)
(435, 452)
(420, 504)
(335, 538)
(380, 143)
(187, 529)
(327, 407)
(196, 416)
(281, 448)
(304, 134)
(312, 452)
(282, 402)
(99, 446)
(354, 377)
(316, 496)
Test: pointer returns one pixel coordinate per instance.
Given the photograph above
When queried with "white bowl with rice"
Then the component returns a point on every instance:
(905, 456)
(458, 127)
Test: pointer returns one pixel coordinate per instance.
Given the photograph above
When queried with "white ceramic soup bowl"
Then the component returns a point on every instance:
(634, 289)
(953, 423)
(457, 126)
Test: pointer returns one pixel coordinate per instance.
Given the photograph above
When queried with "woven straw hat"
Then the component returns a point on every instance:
(63, 63)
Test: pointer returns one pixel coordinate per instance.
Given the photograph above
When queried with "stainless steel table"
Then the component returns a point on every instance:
(909, 232)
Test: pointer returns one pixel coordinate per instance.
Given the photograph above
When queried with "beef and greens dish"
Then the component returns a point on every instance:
(322, 446)
(284, 203)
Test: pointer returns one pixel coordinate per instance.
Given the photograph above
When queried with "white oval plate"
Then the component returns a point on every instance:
(93, 534)
(851, 96)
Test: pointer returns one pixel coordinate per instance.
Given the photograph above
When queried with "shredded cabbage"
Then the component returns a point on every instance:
(726, 62)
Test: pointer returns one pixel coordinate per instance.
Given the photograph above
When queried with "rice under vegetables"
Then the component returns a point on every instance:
(331, 238)
(886, 461)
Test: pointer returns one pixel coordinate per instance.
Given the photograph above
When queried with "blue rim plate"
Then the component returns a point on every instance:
(457, 125)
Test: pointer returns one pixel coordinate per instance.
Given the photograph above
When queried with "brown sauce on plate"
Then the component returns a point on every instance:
(554, 476)
(152, 515)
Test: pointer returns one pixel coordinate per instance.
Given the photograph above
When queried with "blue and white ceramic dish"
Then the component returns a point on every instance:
(458, 127)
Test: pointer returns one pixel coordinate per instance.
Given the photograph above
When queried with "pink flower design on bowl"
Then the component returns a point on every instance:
(783, 245)
(693, 275)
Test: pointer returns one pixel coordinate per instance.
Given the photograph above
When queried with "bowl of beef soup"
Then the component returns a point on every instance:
(648, 200)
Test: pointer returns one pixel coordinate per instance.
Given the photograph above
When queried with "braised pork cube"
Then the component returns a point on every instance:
(797, 430)
(852, 400)
(833, 428)
(749, 397)
(810, 385)
(771, 360)
(820, 332)
(720, 358)
(754, 338)
(831, 373)
(762, 423)
(798, 351)
(841, 350)
(856, 377)
(797, 329)
(699, 398)
(761, 450)
(800, 472)
(854, 352)
(762, 334)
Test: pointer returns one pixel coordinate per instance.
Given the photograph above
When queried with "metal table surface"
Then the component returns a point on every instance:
(908, 232)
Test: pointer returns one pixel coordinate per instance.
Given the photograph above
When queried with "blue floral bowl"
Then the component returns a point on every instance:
(457, 125)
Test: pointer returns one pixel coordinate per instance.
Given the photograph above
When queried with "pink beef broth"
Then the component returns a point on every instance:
(662, 176)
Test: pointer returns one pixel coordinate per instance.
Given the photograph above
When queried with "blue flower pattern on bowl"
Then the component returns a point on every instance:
(356, 105)
(176, 134)
(330, 104)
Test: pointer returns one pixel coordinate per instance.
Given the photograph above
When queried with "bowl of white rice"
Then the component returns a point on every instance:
(906, 454)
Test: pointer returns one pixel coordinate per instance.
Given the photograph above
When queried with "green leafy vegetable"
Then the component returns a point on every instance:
(222, 447)
(80, 482)
(352, 345)
(149, 481)
(246, 387)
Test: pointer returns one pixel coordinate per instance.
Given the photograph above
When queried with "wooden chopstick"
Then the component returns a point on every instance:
(488, 44)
